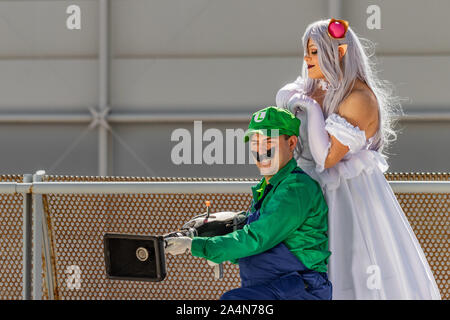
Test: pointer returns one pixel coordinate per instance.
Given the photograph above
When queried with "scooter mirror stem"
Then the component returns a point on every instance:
(207, 203)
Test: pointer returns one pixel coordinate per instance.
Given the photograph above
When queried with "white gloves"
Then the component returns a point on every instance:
(218, 216)
(285, 93)
(318, 138)
(178, 245)
(292, 97)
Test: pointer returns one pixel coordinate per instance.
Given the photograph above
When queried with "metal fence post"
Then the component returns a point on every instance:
(27, 241)
(37, 244)
(41, 240)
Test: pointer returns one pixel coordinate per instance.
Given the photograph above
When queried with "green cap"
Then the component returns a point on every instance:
(273, 121)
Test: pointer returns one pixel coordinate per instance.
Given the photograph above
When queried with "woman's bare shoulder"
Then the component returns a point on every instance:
(360, 107)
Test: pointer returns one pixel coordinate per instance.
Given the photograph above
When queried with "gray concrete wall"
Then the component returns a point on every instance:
(180, 56)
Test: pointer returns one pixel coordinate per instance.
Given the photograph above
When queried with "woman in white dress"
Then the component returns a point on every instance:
(344, 127)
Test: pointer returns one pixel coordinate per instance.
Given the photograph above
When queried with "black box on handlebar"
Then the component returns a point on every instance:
(134, 257)
(142, 258)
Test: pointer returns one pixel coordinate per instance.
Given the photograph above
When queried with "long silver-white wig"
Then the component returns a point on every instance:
(357, 63)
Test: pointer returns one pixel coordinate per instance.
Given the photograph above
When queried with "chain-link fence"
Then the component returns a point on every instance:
(77, 223)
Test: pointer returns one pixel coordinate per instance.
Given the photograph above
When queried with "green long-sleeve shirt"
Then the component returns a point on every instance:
(294, 211)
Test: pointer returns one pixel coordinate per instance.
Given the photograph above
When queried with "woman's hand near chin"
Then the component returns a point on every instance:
(301, 102)
(286, 92)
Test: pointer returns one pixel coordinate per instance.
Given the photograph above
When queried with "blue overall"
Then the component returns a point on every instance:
(277, 274)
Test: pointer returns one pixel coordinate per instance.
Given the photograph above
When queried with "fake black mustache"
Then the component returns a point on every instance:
(261, 157)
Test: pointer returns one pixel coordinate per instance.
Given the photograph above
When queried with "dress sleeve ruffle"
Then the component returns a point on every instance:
(365, 160)
(357, 160)
(345, 132)
(330, 179)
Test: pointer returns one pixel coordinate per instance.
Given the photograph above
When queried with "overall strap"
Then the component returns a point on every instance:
(270, 186)
(298, 170)
(260, 201)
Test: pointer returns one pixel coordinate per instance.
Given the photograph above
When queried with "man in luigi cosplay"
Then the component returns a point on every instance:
(282, 250)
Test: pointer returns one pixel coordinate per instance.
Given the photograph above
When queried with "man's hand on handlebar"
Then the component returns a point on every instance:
(178, 245)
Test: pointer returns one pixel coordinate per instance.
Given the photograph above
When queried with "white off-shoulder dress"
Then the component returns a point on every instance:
(374, 252)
